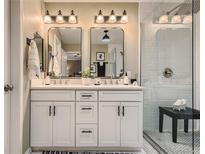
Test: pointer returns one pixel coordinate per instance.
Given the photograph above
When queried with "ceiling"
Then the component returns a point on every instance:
(70, 35)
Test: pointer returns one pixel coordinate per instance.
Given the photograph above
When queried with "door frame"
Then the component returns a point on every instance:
(16, 47)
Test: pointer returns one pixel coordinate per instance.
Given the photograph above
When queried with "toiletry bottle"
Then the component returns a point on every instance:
(126, 79)
(47, 80)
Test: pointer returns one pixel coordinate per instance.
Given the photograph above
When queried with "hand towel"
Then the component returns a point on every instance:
(56, 68)
(33, 61)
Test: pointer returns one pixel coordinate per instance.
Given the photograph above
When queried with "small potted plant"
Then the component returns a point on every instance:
(86, 80)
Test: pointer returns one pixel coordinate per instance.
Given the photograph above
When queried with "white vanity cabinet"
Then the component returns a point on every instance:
(120, 122)
(86, 118)
(52, 122)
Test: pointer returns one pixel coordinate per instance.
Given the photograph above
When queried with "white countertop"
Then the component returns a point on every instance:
(83, 87)
(76, 85)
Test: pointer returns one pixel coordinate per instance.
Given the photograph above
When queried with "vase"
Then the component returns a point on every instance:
(86, 81)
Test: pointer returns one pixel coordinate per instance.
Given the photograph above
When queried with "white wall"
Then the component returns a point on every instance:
(31, 22)
(86, 13)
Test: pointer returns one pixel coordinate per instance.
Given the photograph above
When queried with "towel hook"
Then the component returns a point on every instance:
(28, 40)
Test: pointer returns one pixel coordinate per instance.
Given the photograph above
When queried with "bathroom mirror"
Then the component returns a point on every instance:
(64, 52)
(107, 52)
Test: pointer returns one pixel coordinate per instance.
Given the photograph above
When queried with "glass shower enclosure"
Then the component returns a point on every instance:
(167, 72)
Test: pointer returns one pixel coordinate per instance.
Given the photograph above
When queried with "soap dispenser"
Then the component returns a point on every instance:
(126, 79)
(47, 80)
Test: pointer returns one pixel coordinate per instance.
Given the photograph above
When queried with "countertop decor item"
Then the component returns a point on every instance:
(86, 80)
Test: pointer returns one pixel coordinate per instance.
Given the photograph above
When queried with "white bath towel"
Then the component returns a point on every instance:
(54, 66)
(50, 70)
(33, 61)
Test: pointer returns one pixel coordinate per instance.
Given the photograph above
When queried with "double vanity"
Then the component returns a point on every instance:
(66, 114)
(92, 116)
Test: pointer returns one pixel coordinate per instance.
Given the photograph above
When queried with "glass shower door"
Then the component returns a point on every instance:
(167, 74)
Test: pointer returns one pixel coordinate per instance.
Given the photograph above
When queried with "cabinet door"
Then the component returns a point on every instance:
(63, 124)
(109, 124)
(41, 124)
(131, 124)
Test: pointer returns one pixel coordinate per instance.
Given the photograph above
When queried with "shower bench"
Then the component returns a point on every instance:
(187, 114)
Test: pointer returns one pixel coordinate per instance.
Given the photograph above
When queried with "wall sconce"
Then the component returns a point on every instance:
(176, 19)
(187, 18)
(124, 18)
(60, 18)
(164, 19)
(100, 18)
(112, 18)
(72, 18)
(47, 18)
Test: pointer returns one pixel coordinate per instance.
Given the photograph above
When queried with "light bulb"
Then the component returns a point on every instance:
(187, 19)
(59, 18)
(112, 18)
(176, 19)
(124, 18)
(100, 18)
(164, 19)
(47, 18)
(72, 18)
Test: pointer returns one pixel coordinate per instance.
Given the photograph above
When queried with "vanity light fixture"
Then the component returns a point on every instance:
(100, 18)
(176, 19)
(164, 19)
(47, 18)
(112, 18)
(187, 18)
(60, 18)
(106, 38)
(124, 18)
(72, 18)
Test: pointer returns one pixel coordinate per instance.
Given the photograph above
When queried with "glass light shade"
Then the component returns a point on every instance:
(59, 18)
(176, 19)
(100, 19)
(112, 18)
(187, 19)
(164, 19)
(72, 19)
(47, 19)
(124, 19)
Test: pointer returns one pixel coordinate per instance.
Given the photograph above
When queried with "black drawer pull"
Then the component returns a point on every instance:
(54, 110)
(49, 110)
(118, 110)
(86, 95)
(86, 131)
(86, 108)
(123, 111)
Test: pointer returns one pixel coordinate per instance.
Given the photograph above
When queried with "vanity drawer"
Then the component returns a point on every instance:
(86, 135)
(134, 96)
(86, 112)
(53, 95)
(86, 96)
